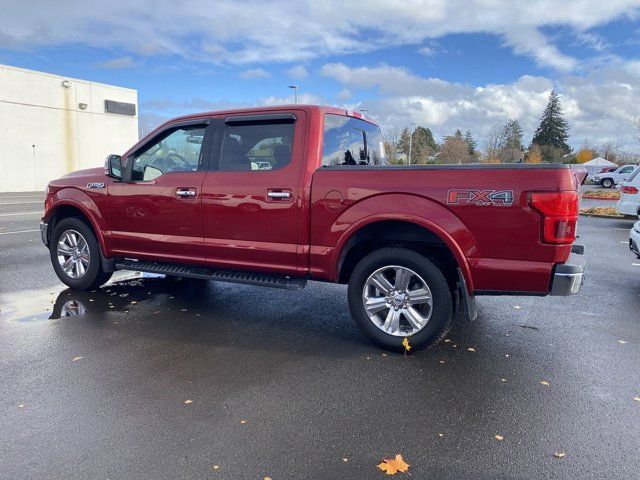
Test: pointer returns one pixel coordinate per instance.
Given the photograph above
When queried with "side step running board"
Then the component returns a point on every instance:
(190, 271)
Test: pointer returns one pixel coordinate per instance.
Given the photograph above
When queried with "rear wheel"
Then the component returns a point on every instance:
(607, 183)
(396, 293)
(75, 255)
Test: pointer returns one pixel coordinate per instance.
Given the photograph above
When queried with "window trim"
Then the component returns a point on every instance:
(203, 161)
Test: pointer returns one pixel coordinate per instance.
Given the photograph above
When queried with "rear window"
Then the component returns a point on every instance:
(351, 141)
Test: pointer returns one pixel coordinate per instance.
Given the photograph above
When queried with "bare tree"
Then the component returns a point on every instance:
(492, 144)
(635, 123)
(455, 150)
(391, 138)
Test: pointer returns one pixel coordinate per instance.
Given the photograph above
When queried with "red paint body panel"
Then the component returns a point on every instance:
(232, 223)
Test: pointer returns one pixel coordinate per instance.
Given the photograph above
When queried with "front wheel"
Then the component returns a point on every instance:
(607, 183)
(396, 293)
(75, 255)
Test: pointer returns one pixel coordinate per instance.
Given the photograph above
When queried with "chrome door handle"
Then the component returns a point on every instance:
(186, 192)
(279, 195)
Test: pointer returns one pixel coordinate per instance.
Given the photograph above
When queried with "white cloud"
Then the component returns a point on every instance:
(254, 73)
(344, 94)
(598, 106)
(118, 63)
(298, 31)
(298, 72)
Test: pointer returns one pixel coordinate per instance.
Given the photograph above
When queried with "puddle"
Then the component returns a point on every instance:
(121, 293)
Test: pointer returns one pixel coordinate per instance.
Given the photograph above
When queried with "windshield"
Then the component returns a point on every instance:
(351, 141)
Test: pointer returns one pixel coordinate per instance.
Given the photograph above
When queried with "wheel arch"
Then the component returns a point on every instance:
(409, 231)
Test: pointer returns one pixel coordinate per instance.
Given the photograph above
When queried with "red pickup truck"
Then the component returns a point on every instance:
(277, 196)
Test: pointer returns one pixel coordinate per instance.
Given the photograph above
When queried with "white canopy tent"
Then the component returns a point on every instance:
(596, 165)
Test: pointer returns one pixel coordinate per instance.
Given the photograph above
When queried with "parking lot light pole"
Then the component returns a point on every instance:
(413, 127)
(295, 89)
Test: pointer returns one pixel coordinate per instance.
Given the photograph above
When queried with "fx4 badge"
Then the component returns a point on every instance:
(95, 185)
(490, 198)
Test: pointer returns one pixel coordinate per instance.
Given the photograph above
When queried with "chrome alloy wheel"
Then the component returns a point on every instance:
(397, 300)
(73, 254)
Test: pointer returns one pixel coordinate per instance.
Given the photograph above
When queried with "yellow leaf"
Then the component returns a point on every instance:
(21, 405)
(558, 454)
(345, 460)
(216, 467)
(405, 344)
(471, 349)
(545, 383)
(187, 402)
(267, 478)
(75, 359)
(622, 342)
(391, 466)
(637, 399)
(499, 437)
(242, 422)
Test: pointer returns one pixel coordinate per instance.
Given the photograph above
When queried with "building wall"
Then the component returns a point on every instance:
(44, 133)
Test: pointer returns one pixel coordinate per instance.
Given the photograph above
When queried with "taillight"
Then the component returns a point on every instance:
(629, 189)
(559, 212)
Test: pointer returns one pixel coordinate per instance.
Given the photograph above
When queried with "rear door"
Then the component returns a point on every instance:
(156, 213)
(251, 194)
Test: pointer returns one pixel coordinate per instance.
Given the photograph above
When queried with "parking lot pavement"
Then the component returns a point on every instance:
(161, 379)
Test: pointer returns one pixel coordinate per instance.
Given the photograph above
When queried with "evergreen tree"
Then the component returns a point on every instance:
(468, 138)
(423, 145)
(553, 131)
(511, 148)
(403, 143)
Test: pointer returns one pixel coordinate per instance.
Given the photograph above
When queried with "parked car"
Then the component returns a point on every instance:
(413, 243)
(611, 179)
(629, 203)
(634, 239)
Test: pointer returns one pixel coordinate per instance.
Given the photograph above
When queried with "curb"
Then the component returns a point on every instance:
(592, 197)
(618, 217)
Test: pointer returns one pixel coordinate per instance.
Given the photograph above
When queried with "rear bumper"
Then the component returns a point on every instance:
(44, 233)
(628, 206)
(568, 276)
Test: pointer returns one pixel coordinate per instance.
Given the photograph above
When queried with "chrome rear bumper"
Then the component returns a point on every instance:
(568, 276)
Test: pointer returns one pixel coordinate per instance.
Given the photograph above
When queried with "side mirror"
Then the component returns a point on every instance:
(113, 167)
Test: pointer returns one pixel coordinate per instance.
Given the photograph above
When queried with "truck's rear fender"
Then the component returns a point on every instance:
(72, 202)
(428, 223)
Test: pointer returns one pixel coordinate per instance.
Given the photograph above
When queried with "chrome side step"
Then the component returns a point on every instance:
(204, 273)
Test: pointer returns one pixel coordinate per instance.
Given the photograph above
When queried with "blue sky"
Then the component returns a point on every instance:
(442, 64)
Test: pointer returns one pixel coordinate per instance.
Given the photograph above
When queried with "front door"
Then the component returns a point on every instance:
(156, 212)
(251, 195)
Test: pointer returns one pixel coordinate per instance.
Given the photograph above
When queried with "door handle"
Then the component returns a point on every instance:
(279, 195)
(186, 192)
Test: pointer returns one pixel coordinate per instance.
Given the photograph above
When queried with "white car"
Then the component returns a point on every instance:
(611, 179)
(634, 239)
(629, 203)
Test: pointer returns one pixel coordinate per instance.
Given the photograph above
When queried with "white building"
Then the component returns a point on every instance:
(51, 125)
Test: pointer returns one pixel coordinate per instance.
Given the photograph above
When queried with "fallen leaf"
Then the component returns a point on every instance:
(405, 344)
(391, 466)
(622, 342)
(471, 349)
(384, 354)
(637, 399)
(187, 402)
(267, 478)
(183, 310)
(545, 383)
(447, 340)
(442, 361)
(216, 467)
(75, 359)
(441, 434)
(558, 454)
(517, 307)
(503, 379)
(345, 460)
(506, 355)
(499, 437)
(21, 405)
(243, 421)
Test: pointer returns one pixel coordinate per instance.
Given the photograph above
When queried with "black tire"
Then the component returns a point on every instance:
(94, 275)
(441, 313)
(607, 183)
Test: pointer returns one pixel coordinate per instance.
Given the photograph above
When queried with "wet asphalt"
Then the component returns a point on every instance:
(152, 378)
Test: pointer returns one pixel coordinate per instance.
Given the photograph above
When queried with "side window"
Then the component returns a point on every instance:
(627, 170)
(175, 151)
(256, 146)
(351, 141)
